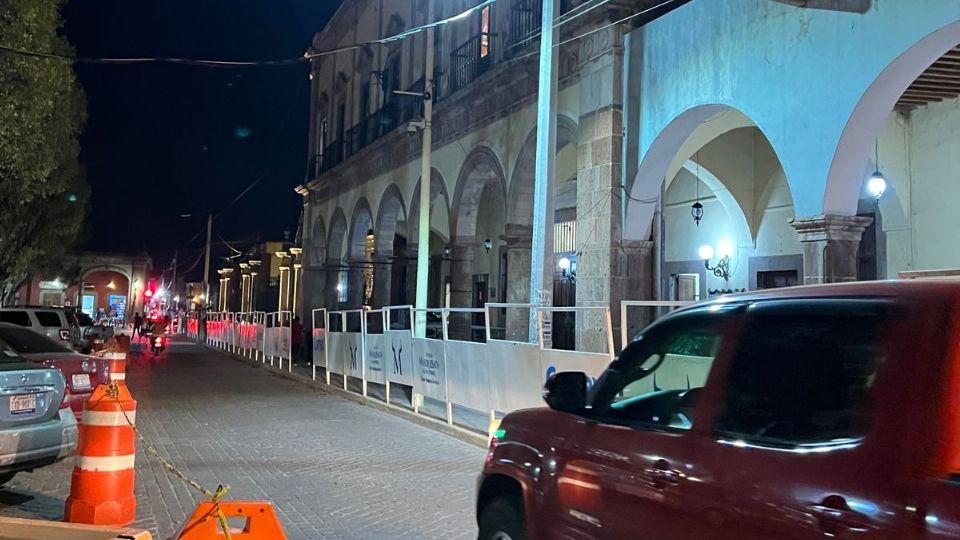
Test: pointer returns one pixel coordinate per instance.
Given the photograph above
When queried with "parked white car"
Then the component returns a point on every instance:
(54, 322)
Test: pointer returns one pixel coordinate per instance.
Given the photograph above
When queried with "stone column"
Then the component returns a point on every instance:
(411, 261)
(382, 281)
(330, 293)
(314, 290)
(461, 287)
(355, 284)
(518, 245)
(830, 243)
(604, 262)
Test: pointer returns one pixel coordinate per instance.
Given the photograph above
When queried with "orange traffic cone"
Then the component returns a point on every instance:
(101, 491)
(205, 523)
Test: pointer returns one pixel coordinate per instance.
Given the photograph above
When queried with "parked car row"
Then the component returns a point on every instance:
(44, 383)
(65, 324)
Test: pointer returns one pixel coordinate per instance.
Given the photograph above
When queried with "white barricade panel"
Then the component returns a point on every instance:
(270, 341)
(259, 336)
(398, 344)
(319, 346)
(468, 374)
(283, 342)
(554, 361)
(337, 342)
(354, 350)
(374, 362)
(429, 368)
(515, 378)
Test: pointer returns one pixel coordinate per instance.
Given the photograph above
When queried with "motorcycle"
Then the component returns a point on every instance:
(158, 344)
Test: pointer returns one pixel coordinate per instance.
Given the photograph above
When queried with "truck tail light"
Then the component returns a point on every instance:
(65, 334)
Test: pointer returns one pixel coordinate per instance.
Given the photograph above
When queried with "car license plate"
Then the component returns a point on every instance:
(24, 404)
(81, 381)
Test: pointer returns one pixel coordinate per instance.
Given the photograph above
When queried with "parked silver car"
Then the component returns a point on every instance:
(37, 426)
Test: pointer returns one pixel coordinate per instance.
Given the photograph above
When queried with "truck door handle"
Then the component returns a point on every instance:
(661, 473)
(835, 516)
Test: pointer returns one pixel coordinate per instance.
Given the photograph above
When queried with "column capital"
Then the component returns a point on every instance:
(830, 227)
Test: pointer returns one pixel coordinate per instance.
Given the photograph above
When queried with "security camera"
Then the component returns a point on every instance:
(414, 126)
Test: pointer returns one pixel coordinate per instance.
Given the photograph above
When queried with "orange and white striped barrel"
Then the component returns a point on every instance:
(101, 490)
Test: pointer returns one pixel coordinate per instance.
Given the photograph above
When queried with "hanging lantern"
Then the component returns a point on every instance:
(697, 212)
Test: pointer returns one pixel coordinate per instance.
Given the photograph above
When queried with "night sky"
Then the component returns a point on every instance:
(163, 140)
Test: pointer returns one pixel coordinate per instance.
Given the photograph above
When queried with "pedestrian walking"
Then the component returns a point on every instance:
(296, 340)
(137, 325)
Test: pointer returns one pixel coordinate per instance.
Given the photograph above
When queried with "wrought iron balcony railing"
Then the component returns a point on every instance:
(469, 61)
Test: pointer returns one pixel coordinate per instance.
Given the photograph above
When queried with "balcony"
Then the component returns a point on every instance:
(467, 63)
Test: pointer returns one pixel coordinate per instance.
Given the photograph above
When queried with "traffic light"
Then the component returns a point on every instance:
(149, 291)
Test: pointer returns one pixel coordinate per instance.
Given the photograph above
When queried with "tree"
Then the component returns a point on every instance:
(43, 189)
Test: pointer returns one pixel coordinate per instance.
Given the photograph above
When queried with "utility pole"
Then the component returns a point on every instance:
(176, 293)
(206, 264)
(423, 236)
(541, 260)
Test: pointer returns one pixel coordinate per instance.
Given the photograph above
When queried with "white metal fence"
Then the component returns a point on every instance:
(461, 370)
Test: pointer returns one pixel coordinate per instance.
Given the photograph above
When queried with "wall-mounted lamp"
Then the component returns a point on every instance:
(446, 252)
(722, 269)
(487, 244)
(566, 269)
(696, 211)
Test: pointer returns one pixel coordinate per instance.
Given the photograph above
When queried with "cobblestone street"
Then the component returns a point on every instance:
(333, 468)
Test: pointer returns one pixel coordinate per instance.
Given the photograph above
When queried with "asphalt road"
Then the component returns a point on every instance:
(332, 467)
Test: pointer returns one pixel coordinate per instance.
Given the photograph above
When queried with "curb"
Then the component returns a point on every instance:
(455, 432)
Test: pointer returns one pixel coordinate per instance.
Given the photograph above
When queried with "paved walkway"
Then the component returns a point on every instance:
(333, 468)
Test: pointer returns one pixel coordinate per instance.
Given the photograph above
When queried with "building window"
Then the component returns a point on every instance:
(485, 32)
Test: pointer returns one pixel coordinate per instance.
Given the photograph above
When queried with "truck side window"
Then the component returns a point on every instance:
(802, 379)
(661, 377)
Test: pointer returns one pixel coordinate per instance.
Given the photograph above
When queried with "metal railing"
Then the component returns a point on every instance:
(466, 63)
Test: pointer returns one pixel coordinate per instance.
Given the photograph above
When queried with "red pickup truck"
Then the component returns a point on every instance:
(802, 413)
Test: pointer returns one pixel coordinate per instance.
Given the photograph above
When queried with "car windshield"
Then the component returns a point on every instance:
(84, 319)
(26, 341)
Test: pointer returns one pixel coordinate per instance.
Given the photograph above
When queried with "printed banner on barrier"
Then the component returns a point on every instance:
(336, 345)
(354, 344)
(429, 368)
(283, 342)
(374, 352)
(398, 346)
(319, 346)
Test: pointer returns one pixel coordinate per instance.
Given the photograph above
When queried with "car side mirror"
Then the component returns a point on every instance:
(566, 391)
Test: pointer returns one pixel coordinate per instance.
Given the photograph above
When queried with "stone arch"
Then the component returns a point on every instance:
(522, 179)
(668, 154)
(335, 242)
(361, 221)
(481, 169)
(107, 268)
(318, 243)
(392, 211)
(438, 188)
(844, 180)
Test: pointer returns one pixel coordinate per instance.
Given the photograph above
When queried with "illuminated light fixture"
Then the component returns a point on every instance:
(564, 263)
(176, 298)
(722, 269)
(111, 285)
(877, 185)
(369, 234)
(148, 293)
(487, 244)
(446, 252)
(71, 198)
(339, 287)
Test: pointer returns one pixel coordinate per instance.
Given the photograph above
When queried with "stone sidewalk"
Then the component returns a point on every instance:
(332, 467)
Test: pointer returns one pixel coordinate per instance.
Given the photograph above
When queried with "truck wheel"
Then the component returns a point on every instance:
(4, 478)
(502, 519)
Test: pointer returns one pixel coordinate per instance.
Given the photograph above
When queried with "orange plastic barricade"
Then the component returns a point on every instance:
(261, 521)
(101, 489)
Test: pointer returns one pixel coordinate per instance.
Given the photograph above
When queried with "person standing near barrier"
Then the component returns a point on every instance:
(296, 340)
(137, 324)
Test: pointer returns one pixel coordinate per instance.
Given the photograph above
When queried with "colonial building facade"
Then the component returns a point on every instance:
(702, 147)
